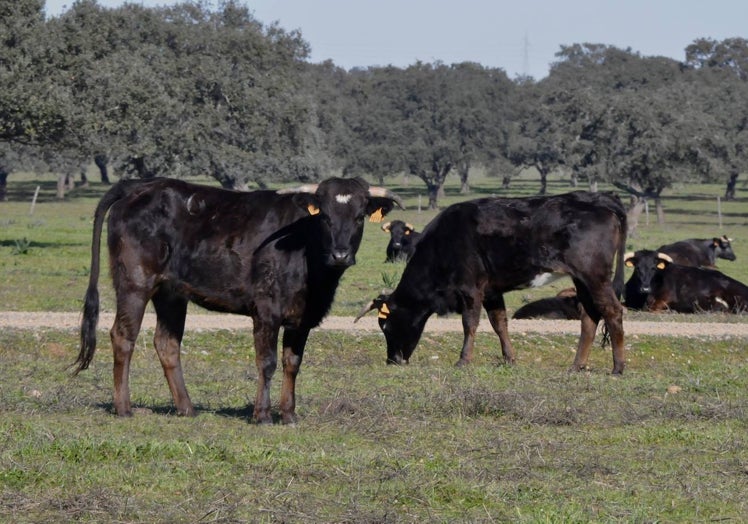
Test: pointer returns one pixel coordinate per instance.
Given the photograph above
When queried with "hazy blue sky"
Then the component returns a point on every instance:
(519, 36)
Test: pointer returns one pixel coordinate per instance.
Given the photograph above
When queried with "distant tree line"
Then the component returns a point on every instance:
(187, 90)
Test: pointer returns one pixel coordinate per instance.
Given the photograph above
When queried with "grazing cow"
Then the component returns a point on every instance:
(475, 251)
(275, 257)
(699, 252)
(402, 242)
(665, 285)
(564, 306)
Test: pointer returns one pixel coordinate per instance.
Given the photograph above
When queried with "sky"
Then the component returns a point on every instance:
(519, 36)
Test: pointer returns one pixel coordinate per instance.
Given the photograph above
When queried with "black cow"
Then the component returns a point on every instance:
(473, 252)
(564, 306)
(665, 285)
(403, 238)
(699, 252)
(275, 257)
(694, 252)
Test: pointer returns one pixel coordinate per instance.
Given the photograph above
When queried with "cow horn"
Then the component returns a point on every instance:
(386, 226)
(628, 255)
(306, 188)
(377, 191)
(410, 226)
(370, 306)
(663, 256)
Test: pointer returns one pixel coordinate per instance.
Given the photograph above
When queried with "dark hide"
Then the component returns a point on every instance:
(564, 306)
(402, 242)
(695, 252)
(274, 257)
(699, 252)
(473, 252)
(668, 286)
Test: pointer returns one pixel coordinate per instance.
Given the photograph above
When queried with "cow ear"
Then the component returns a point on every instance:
(378, 207)
(307, 201)
(380, 304)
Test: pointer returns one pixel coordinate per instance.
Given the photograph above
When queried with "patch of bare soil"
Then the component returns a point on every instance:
(206, 322)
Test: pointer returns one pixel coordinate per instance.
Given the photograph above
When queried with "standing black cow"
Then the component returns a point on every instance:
(403, 238)
(665, 285)
(699, 252)
(275, 257)
(473, 252)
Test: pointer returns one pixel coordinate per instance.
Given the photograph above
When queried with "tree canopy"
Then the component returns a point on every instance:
(191, 90)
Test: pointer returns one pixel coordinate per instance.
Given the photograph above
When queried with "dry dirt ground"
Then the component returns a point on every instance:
(205, 322)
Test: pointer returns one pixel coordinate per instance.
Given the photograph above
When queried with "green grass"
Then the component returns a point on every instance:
(420, 443)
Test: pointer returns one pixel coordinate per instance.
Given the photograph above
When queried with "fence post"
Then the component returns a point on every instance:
(33, 201)
(719, 211)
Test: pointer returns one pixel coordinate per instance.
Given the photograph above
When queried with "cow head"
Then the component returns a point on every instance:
(722, 248)
(398, 231)
(340, 206)
(401, 325)
(647, 264)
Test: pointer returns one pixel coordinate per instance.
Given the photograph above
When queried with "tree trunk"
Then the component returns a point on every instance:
(634, 212)
(3, 184)
(101, 163)
(730, 190)
(660, 210)
(593, 185)
(463, 169)
(61, 185)
(433, 192)
(543, 178)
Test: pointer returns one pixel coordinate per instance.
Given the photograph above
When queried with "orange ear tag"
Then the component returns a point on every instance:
(313, 210)
(661, 265)
(384, 312)
(376, 216)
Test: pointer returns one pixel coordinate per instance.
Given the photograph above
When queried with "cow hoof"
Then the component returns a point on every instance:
(290, 420)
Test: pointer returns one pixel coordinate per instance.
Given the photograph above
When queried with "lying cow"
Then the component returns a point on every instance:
(473, 252)
(699, 252)
(666, 285)
(695, 252)
(564, 306)
(403, 238)
(275, 257)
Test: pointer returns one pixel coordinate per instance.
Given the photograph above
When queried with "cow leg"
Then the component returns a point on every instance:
(500, 325)
(171, 312)
(600, 303)
(495, 307)
(470, 320)
(124, 334)
(294, 341)
(266, 359)
(586, 338)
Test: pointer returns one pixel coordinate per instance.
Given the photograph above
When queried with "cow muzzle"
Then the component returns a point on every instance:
(341, 258)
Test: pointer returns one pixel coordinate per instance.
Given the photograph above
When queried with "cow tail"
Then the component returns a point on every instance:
(91, 302)
(620, 250)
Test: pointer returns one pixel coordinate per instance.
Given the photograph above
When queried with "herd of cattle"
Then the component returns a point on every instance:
(278, 256)
(680, 277)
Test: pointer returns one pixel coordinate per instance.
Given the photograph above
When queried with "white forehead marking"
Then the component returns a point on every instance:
(343, 199)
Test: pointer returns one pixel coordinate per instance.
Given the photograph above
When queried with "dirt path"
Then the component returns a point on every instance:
(205, 322)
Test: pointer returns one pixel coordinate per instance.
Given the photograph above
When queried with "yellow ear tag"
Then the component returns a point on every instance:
(661, 265)
(313, 210)
(384, 311)
(629, 263)
(376, 216)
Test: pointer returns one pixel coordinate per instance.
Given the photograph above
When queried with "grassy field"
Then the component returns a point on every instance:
(427, 442)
